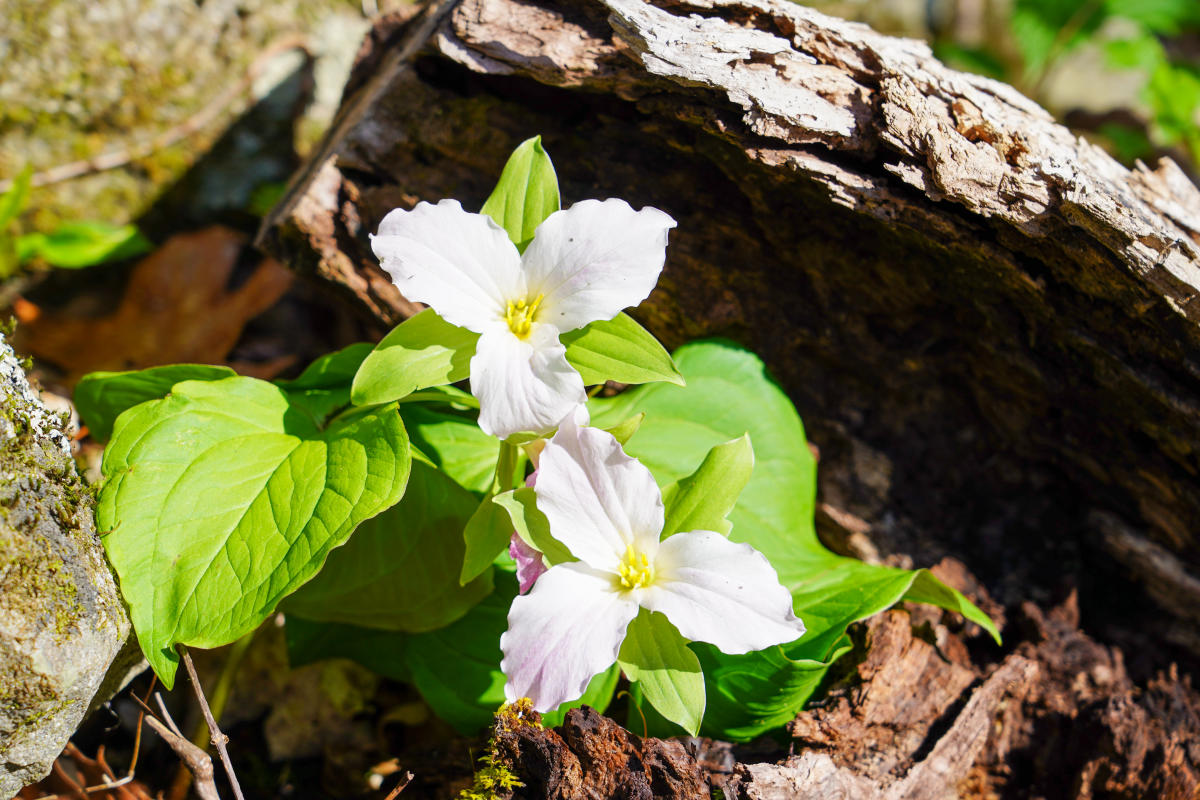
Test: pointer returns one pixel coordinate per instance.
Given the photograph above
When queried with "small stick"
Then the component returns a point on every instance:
(219, 739)
(400, 787)
(196, 759)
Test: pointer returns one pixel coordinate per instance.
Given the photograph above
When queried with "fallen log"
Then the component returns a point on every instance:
(988, 324)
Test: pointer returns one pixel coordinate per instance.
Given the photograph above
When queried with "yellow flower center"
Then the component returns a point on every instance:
(520, 315)
(635, 570)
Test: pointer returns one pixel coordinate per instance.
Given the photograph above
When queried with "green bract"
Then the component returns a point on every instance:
(526, 193)
(657, 658)
(223, 498)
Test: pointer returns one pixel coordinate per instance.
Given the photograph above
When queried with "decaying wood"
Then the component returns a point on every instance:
(919, 718)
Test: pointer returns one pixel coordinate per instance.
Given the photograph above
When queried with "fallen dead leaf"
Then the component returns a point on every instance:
(177, 308)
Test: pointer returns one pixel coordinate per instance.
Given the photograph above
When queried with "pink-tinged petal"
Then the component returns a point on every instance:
(530, 565)
(523, 385)
(461, 264)
(597, 500)
(566, 630)
(595, 259)
(721, 592)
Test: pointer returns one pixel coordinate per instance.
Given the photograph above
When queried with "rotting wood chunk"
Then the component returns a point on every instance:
(590, 756)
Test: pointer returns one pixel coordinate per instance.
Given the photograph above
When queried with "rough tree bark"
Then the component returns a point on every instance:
(989, 325)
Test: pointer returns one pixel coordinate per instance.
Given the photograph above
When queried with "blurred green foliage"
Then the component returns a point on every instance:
(71, 245)
(1158, 38)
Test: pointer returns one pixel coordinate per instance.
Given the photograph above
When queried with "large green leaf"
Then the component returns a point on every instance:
(703, 500)
(420, 352)
(728, 394)
(657, 658)
(399, 571)
(526, 193)
(454, 442)
(619, 350)
(221, 499)
(101, 397)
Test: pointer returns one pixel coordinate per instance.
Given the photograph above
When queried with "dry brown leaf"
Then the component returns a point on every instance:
(177, 308)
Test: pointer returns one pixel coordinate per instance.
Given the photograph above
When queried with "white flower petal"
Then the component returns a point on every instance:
(567, 629)
(461, 264)
(717, 591)
(595, 259)
(523, 384)
(597, 500)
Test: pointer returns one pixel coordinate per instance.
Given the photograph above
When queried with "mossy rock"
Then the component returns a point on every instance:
(62, 620)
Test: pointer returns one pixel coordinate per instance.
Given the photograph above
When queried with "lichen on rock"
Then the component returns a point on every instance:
(62, 620)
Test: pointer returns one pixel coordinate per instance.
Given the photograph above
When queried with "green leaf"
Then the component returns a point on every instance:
(658, 659)
(526, 193)
(623, 431)
(221, 499)
(420, 352)
(73, 245)
(486, 534)
(754, 693)
(489, 531)
(324, 386)
(729, 394)
(619, 350)
(1046, 29)
(1167, 17)
(531, 524)
(101, 397)
(13, 201)
(453, 442)
(399, 571)
(333, 370)
(702, 500)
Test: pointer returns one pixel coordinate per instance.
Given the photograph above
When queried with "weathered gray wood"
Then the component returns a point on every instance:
(988, 324)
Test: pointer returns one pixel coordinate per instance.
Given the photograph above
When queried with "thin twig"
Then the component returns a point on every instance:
(196, 122)
(137, 748)
(167, 715)
(394, 793)
(219, 739)
(196, 759)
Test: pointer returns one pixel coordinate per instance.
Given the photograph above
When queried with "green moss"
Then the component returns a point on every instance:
(494, 778)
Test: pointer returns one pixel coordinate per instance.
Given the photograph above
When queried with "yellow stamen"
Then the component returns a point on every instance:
(635, 570)
(520, 315)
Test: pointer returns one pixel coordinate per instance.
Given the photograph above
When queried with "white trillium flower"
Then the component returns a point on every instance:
(586, 263)
(608, 511)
